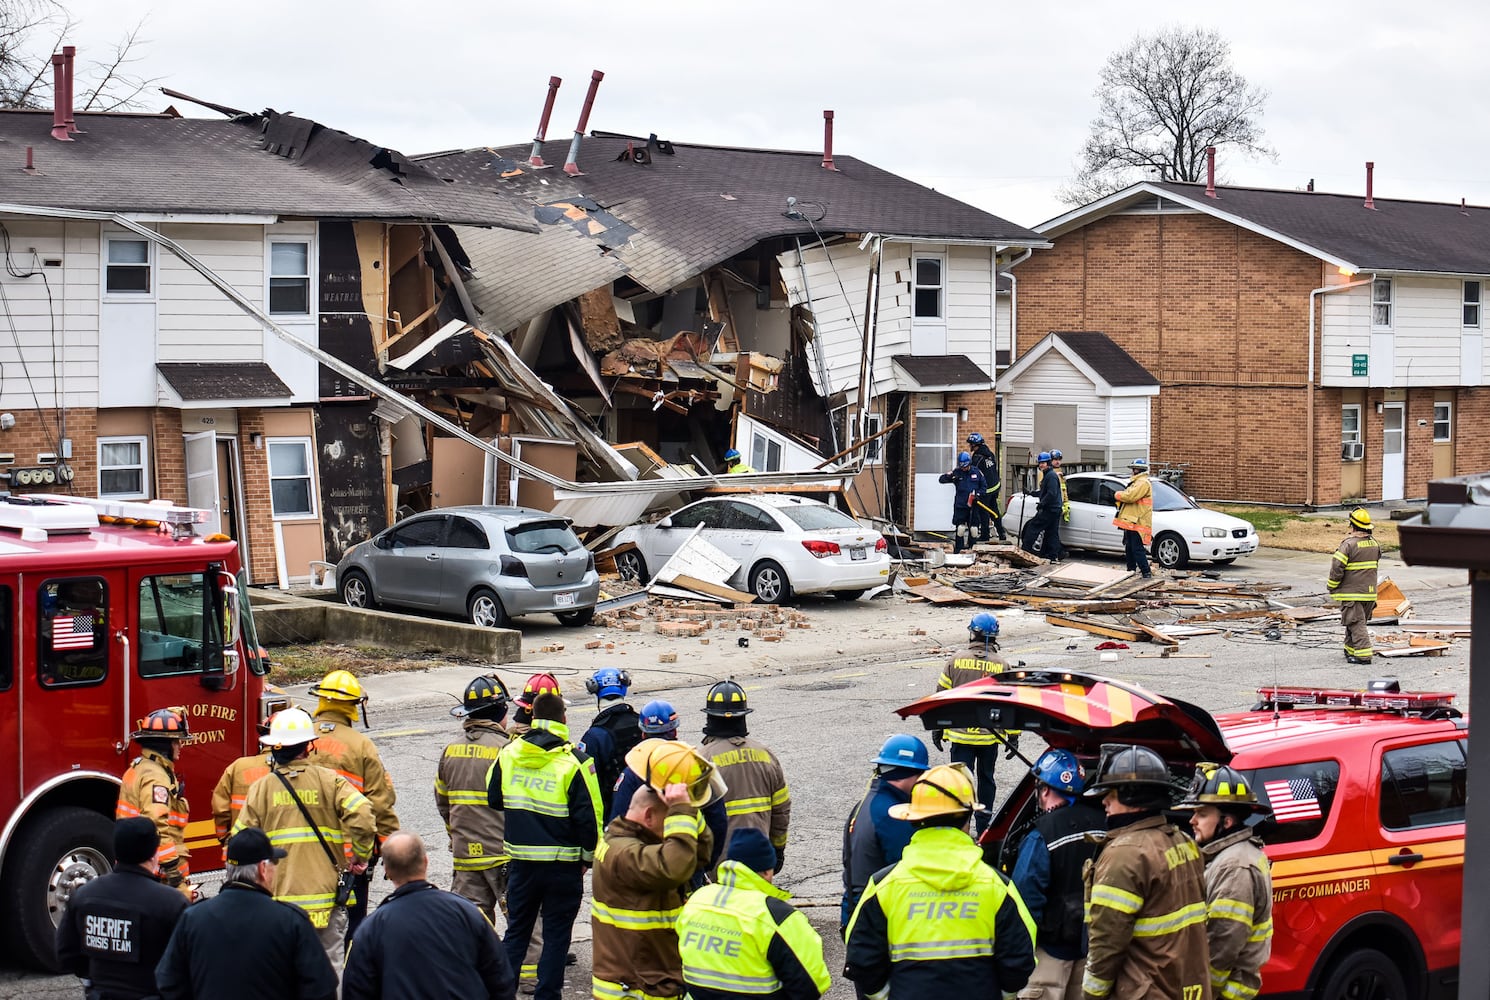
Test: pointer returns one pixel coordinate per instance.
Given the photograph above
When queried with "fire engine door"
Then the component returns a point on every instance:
(201, 477)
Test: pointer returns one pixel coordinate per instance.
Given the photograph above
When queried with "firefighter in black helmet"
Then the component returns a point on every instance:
(757, 796)
(460, 796)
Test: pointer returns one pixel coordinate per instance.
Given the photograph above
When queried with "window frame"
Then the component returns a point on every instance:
(159, 667)
(1388, 303)
(143, 441)
(762, 442)
(105, 264)
(874, 453)
(1358, 408)
(45, 667)
(308, 277)
(1388, 776)
(309, 475)
(1447, 421)
(1466, 304)
(940, 318)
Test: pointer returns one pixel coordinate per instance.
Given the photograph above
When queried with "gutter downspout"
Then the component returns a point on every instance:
(1013, 308)
(1309, 388)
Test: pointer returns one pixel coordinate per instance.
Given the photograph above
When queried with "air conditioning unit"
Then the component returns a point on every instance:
(1352, 451)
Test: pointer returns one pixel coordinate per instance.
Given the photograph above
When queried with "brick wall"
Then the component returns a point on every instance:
(36, 432)
(1471, 431)
(1418, 442)
(258, 515)
(169, 454)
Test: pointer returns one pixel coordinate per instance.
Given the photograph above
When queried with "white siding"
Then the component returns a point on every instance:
(970, 304)
(1002, 315)
(1053, 379)
(1130, 422)
(196, 321)
(1425, 343)
(300, 371)
(58, 339)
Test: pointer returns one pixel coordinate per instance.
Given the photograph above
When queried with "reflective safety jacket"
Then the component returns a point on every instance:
(227, 797)
(1135, 510)
(1146, 915)
(1065, 496)
(1239, 913)
(758, 797)
(638, 886)
(547, 789)
(475, 828)
(962, 670)
(352, 755)
(940, 923)
(739, 937)
(151, 789)
(306, 877)
(1353, 569)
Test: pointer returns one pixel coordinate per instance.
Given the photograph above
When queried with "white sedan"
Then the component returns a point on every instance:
(1183, 530)
(785, 545)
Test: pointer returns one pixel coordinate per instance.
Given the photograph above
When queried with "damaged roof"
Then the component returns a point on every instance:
(264, 164)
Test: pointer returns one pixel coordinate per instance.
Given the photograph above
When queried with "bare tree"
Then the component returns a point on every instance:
(1163, 99)
(31, 30)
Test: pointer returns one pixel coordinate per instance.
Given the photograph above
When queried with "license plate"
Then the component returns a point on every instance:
(564, 600)
(858, 553)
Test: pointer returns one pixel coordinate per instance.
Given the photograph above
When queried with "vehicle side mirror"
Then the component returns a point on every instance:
(383, 542)
(220, 663)
(666, 522)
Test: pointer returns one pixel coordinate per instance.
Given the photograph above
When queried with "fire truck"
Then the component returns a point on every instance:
(109, 610)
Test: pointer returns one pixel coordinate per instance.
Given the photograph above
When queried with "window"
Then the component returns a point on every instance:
(127, 271)
(1300, 796)
(874, 451)
(7, 639)
(709, 513)
(820, 517)
(1472, 304)
(1443, 421)
(1381, 303)
(744, 517)
(466, 534)
(423, 533)
(1081, 490)
(291, 493)
(289, 278)
(72, 632)
(926, 290)
(765, 453)
(1423, 785)
(171, 635)
(1350, 423)
(121, 468)
(543, 537)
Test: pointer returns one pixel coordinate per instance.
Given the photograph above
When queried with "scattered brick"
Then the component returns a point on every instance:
(703, 642)
(771, 636)
(667, 657)
(748, 625)
(631, 626)
(594, 644)
(680, 630)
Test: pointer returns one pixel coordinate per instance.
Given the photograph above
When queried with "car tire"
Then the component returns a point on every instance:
(576, 619)
(769, 583)
(631, 566)
(1364, 974)
(1170, 551)
(848, 595)
(55, 850)
(484, 608)
(356, 590)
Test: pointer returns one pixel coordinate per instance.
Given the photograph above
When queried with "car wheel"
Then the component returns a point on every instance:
(1223, 562)
(356, 591)
(57, 852)
(769, 584)
(576, 619)
(632, 566)
(485, 609)
(848, 595)
(1170, 551)
(1365, 974)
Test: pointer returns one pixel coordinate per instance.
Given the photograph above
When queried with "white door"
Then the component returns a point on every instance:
(936, 453)
(201, 477)
(1393, 454)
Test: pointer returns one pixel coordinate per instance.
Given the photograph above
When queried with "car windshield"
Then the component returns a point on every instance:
(542, 536)
(818, 517)
(1166, 497)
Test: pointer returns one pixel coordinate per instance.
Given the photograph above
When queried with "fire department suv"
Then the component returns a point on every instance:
(1366, 790)
(107, 611)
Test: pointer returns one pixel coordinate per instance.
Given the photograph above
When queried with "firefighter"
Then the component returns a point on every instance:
(987, 506)
(1352, 582)
(614, 731)
(978, 749)
(151, 788)
(940, 922)
(871, 837)
(1238, 880)
(758, 797)
(1055, 465)
(734, 463)
(522, 718)
(1135, 516)
(1047, 874)
(741, 938)
(642, 870)
(320, 818)
(547, 788)
(237, 777)
(475, 831)
(969, 489)
(1145, 890)
(354, 757)
(1036, 536)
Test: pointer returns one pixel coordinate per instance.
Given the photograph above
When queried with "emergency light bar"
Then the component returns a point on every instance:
(1381, 697)
(40, 515)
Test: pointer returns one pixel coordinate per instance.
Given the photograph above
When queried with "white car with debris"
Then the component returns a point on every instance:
(1183, 530)
(784, 545)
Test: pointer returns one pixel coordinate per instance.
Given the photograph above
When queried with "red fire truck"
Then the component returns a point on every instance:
(107, 611)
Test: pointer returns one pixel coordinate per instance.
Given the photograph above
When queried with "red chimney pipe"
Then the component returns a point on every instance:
(59, 94)
(30, 167)
(828, 141)
(571, 164)
(1370, 202)
(1210, 171)
(536, 157)
(69, 52)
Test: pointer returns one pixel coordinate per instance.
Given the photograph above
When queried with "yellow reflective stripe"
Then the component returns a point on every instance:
(440, 786)
(1362, 651)
(528, 852)
(732, 982)
(477, 864)
(680, 826)
(1237, 991)
(1231, 909)
(606, 990)
(744, 807)
(309, 900)
(1262, 931)
(527, 803)
(1094, 985)
(1363, 564)
(1340, 557)
(780, 797)
(1168, 923)
(461, 797)
(944, 682)
(635, 920)
(1219, 977)
(1116, 899)
(904, 951)
(1354, 596)
(302, 835)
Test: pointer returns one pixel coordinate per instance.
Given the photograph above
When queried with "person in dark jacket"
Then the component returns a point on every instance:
(987, 507)
(116, 927)
(423, 942)
(243, 943)
(970, 486)
(871, 838)
(1047, 519)
(614, 731)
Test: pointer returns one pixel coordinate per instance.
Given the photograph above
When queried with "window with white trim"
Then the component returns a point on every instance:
(123, 472)
(291, 489)
(1472, 291)
(127, 266)
(1381, 304)
(289, 277)
(1350, 423)
(765, 451)
(928, 287)
(1443, 421)
(874, 452)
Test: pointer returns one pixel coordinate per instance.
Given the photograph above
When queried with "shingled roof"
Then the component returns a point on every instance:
(264, 164)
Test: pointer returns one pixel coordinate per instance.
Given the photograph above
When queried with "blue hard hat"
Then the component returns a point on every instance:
(984, 624)
(1060, 770)
(1139, 463)
(659, 717)
(1044, 456)
(608, 682)
(902, 750)
(731, 455)
(975, 438)
(963, 458)
(1055, 453)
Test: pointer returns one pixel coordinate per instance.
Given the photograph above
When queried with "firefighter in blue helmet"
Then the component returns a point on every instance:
(987, 507)
(734, 463)
(615, 729)
(871, 839)
(970, 486)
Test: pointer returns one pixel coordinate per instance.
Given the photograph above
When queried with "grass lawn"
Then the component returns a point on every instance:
(1283, 529)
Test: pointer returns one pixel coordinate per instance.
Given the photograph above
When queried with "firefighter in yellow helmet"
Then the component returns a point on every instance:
(757, 796)
(352, 755)
(151, 788)
(1352, 582)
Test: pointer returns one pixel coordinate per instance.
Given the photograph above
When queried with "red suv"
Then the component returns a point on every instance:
(1367, 792)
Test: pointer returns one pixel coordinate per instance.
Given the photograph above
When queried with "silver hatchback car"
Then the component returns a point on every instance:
(487, 564)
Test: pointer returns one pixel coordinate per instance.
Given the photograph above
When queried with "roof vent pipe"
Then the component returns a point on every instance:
(1210, 171)
(1370, 202)
(59, 93)
(535, 158)
(571, 165)
(1463, 206)
(828, 141)
(69, 53)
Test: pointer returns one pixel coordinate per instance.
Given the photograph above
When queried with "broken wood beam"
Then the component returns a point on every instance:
(1095, 627)
(1226, 616)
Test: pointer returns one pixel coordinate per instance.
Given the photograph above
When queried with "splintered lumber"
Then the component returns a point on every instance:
(1308, 614)
(1060, 605)
(1011, 554)
(1226, 616)
(1095, 627)
(1154, 635)
(1390, 601)
(937, 593)
(1428, 647)
(686, 582)
(1436, 626)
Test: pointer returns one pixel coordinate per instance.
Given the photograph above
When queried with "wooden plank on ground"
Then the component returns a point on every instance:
(1011, 554)
(1122, 581)
(1154, 635)
(1086, 575)
(938, 593)
(1095, 627)
(719, 590)
(1431, 649)
(1226, 616)
(1308, 614)
(1110, 607)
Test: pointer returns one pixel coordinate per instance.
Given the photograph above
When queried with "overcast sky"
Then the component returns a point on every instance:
(986, 102)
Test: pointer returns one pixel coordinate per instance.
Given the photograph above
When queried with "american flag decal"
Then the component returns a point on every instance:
(72, 632)
(1292, 799)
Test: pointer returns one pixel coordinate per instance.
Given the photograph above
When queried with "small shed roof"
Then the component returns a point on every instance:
(1099, 358)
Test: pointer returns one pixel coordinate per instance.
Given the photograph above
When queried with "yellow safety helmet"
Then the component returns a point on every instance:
(945, 790)
(291, 727)
(1360, 519)
(339, 685)
(1219, 785)
(673, 762)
